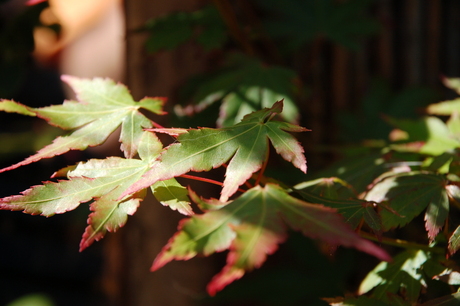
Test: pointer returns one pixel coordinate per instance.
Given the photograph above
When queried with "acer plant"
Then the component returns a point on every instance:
(357, 201)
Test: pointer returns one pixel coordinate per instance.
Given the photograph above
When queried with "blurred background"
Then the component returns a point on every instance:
(343, 64)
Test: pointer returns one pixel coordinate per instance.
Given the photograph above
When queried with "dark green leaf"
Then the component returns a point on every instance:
(408, 194)
(244, 86)
(402, 275)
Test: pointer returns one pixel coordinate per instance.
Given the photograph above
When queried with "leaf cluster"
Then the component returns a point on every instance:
(413, 178)
(252, 216)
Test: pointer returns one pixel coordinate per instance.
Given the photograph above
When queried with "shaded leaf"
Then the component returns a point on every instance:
(102, 107)
(352, 209)
(251, 227)
(244, 144)
(244, 85)
(361, 170)
(454, 241)
(408, 194)
(449, 300)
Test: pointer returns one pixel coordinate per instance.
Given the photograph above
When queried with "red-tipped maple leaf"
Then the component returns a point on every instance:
(244, 144)
(102, 106)
(408, 194)
(251, 227)
(101, 181)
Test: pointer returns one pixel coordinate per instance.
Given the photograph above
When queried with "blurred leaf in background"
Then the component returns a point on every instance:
(34, 299)
(244, 85)
(298, 22)
(203, 26)
(382, 101)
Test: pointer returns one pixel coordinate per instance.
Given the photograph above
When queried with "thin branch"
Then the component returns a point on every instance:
(206, 180)
(262, 170)
(402, 243)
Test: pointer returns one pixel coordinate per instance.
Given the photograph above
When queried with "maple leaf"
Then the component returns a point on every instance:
(244, 85)
(454, 241)
(244, 144)
(324, 191)
(408, 194)
(359, 170)
(251, 227)
(402, 272)
(102, 107)
(101, 181)
(429, 135)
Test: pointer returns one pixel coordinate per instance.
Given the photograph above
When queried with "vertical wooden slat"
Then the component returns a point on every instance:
(432, 48)
(385, 40)
(412, 42)
(341, 73)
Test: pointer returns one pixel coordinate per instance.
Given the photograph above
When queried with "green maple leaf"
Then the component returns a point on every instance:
(325, 191)
(454, 241)
(102, 107)
(429, 135)
(244, 85)
(447, 107)
(103, 182)
(251, 227)
(408, 194)
(245, 144)
(402, 272)
(359, 170)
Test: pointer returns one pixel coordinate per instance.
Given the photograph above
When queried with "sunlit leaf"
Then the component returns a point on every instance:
(252, 227)
(429, 135)
(102, 107)
(402, 274)
(10, 106)
(101, 182)
(244, 144)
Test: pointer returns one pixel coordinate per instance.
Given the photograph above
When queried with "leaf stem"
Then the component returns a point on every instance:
(262, 170)
(402, 243)
(206, 180)
(158, 126)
